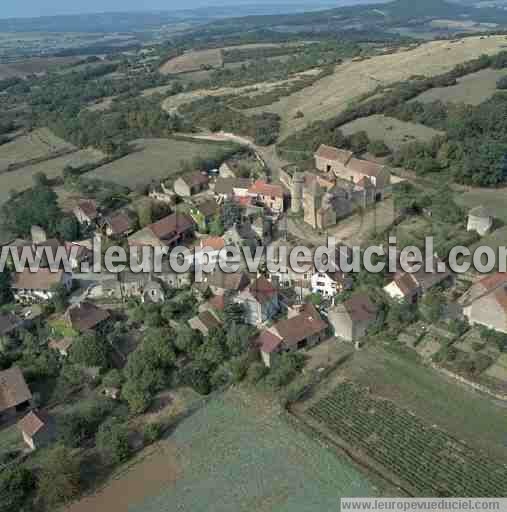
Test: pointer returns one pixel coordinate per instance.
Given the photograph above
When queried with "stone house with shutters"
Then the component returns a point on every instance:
(303, 329)
(191, 184)
(352, 319)
(260, 300)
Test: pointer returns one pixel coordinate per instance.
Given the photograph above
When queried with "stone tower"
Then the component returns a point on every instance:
(312, 203)
(298, 182)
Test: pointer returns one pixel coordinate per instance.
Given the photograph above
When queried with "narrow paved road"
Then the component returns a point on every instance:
(266, 153)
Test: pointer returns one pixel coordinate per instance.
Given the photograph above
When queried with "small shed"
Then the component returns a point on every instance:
(153, 293)
(37, 429)
(480, 220)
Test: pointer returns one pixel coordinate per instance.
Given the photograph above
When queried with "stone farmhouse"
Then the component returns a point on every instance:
(352, 319)
(410, 286)
(170, 231)
(118, 224)
(222, 283)
(480, 220)
(85, 316)
(191, 184)
(485, 303)
(30, 287)
(304, 328)
(86, 212)
(268, 195)
(229, 188)
(260, 300)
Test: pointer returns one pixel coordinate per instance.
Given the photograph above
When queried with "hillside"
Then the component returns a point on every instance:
(379, 16)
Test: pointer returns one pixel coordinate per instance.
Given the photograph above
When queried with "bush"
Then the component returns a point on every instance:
(112, 440)
(378, 148)
(502, 83)
(152, 432)
(256, 373)
(60, 478)
(79, 426)
(16, 487)
(285, 370)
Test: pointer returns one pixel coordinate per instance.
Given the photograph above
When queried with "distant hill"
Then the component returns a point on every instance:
(376, 15)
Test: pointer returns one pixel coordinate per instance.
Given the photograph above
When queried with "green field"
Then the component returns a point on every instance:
(430, 460)
(472, 89)
(393, 132)
(492, 198)
(155, 159)
(37, 144)
(23, 178)
(238, 455)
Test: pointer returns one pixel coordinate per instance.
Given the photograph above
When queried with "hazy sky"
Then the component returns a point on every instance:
(34, 8)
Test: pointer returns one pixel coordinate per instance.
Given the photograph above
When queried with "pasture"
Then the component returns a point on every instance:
(492, 198)
(156, 159)
(431, 461)
(193, 61)
(37, 66)
(393, 132)
(198, 60)
(41, 143)
(472, 89)
(351, 80)
(172, 103)
(237, 454)
(22, 179)
(499, 369)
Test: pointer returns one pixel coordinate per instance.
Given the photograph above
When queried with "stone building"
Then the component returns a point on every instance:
(480, 220)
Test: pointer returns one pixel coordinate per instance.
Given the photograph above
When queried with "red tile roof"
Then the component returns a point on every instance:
(406, 283)
(120, 223)
(13, 389)
(262, 290)
(360, 308)
(335, 154)
(268, 342)
(86, 316)
(33, 423)
(195, 178)
(493, 281)
(43, 279)
(89, 208)
(214, 242)
(172, 225)
(299, 327)
(235, 281)
(365, 167)
(263, 188)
